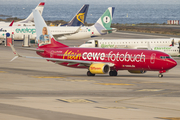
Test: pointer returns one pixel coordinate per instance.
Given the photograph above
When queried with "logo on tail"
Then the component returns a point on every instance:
(80, 17)
(106, 19)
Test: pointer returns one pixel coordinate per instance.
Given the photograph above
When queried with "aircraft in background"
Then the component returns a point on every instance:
(80, 17)
(101, 27)
(96, 60)
(169, 46)
(29, 20)
(173, 51)
(130, 43)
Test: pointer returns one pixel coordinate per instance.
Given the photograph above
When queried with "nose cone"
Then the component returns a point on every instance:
(171, 63)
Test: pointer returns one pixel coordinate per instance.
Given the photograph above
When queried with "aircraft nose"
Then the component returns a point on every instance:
(172, 63)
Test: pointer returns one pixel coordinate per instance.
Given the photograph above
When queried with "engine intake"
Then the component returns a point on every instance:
(99, 68)
(137, 71)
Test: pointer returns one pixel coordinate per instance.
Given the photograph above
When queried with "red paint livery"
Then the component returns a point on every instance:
(121, 59)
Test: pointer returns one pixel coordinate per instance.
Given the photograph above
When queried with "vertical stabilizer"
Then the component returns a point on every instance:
(104, 22)
(44, 37)
(30, 18)
(80, 18)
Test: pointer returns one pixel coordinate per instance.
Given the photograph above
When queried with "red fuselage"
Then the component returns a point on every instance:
(123, 59)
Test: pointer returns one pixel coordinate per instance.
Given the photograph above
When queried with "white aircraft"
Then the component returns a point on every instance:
(28, 21)
(130, 43)
(101, 27)
(174, 51)
(170, 46)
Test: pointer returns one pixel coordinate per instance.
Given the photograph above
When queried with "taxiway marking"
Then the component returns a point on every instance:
(112, 84)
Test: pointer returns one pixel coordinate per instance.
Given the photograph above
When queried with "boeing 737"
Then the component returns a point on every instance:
(101, 27)
(29, 20)
(96, 60)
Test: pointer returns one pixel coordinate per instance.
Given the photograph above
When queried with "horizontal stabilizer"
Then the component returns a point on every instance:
(109, 30)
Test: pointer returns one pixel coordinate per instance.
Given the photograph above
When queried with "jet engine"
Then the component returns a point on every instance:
(99, 68)
(137, 71)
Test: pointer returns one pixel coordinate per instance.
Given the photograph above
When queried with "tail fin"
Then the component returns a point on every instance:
(30, 18)
(44, 37)
(80, 18)
(104, 22)
(11, 23)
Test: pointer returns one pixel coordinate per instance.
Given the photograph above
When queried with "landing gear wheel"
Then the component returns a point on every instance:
(113, 73)
(90, 74)
(160, 75)
(110, 73)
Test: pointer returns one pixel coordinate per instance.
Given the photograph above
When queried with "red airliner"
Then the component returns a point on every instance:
(97, 60)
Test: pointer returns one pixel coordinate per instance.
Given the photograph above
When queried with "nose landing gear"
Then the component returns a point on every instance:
(160, 75)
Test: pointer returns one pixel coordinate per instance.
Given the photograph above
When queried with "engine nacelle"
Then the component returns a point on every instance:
(99, 68)
(137, 71)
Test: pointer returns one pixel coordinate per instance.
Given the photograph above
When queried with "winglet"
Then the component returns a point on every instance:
(14, 51)
(78, 29)
(11, 23)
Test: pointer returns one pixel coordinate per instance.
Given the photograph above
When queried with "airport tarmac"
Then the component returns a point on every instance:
(33, 89)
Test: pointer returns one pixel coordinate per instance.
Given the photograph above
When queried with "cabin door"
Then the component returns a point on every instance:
(96, 43)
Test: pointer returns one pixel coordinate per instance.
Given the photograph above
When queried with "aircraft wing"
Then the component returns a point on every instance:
(32, 49)
(60, 35)
(57, 61)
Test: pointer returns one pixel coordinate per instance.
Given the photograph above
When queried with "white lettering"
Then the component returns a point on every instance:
(102, 56)
(84, 55)
(89, 56)
(114, 56)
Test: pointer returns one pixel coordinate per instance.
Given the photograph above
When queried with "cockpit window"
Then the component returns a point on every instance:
(165, 57)
(88, 42)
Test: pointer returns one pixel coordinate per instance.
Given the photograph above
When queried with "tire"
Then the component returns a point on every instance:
(111, 73)
(90, 74)
(114, 73)
(160, 75)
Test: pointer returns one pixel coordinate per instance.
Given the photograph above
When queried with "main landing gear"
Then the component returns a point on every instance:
(90, 74)
(113, 73)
